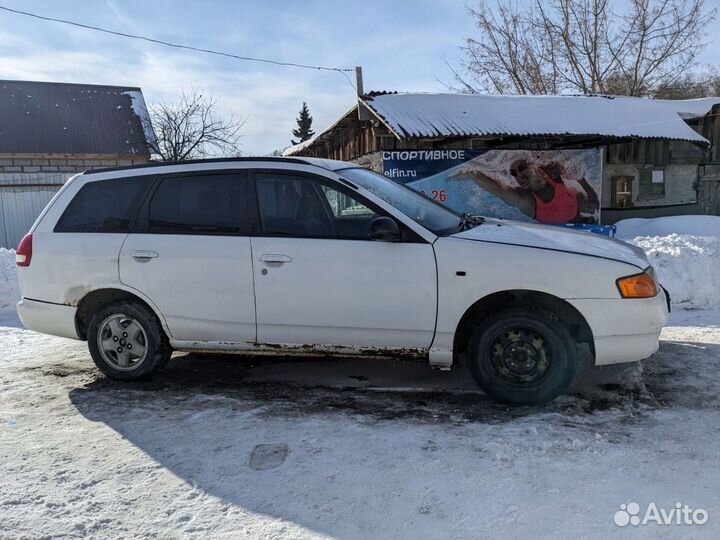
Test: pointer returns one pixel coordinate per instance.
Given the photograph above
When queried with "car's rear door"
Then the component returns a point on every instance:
(320, 279)
(190, 253)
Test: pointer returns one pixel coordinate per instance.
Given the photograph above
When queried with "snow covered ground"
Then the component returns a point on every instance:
(224, 448)
(221, 447)
(9, 293)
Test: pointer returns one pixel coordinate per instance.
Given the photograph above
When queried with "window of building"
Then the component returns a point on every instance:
(199, 204)
(651, 183)
(106, 206)
(621, 195)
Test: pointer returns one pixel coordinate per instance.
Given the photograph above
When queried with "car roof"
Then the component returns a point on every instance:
(329, 164)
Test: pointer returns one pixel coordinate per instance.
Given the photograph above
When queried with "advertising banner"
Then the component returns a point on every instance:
(548, 186)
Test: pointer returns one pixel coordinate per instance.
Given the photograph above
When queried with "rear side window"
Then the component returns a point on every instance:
(107, 206)
(200, 204)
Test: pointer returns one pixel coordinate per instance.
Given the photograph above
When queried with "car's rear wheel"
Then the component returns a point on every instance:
(127, 342)
(523, 356)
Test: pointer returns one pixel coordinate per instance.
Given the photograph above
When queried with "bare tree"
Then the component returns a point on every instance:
(697, 84)
(581, 46)
(191, 128)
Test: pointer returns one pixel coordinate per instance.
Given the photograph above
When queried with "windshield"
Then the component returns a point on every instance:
(431, 215)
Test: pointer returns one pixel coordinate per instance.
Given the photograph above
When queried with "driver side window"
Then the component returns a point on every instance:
(342, 205)
(301, 206)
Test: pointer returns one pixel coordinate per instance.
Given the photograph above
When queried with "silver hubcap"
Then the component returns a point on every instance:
(122, 342)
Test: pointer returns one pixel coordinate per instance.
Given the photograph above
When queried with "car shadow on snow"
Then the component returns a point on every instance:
(376, 390)
(680, 374)
(257, 433)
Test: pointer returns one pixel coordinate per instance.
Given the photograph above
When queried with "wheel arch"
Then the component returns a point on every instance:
(484, 307)
(95, 299)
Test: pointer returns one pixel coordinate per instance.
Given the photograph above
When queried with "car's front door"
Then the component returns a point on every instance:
(190, 254)
(321, 280)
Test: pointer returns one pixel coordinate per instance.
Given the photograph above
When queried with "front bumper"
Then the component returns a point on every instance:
(47, 318)
(624, 330)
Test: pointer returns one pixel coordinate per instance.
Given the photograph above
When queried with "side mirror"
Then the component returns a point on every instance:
(385, 229)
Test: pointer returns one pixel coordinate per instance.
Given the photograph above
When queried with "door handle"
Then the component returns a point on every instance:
(272, 258)
(144, 254)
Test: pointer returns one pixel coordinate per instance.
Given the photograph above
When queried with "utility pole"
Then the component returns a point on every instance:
(359, 81)
(363, 113)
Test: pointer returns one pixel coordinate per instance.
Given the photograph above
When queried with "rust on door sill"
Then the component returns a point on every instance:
(307, 349)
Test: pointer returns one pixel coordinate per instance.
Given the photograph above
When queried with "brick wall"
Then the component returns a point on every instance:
(64, 164)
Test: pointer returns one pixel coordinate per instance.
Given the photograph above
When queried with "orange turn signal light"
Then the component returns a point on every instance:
(637, 286)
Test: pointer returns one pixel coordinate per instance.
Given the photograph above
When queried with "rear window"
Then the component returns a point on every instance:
(199, 204)
(106, 206)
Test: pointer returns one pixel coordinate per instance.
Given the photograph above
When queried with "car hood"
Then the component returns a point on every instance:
(556, 239)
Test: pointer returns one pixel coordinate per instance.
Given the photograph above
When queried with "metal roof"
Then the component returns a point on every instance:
(62, 118)
(474, 115)
(418, 115)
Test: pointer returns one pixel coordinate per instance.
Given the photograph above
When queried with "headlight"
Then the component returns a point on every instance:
(638, 285)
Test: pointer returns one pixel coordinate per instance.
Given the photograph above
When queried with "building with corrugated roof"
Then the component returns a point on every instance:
(51, 131)
(659, 157)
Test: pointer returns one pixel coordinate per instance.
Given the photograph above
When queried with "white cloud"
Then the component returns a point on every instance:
(398, 49)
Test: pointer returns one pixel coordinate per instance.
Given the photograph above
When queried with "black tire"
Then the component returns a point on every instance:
(523, 356)
(157, 348)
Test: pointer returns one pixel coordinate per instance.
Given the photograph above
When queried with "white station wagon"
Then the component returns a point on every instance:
(308, 256)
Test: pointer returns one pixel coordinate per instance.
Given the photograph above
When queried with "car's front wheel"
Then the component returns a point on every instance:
(523, 356)
(127, 342)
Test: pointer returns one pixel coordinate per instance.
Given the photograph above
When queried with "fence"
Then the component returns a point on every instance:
(22, 198)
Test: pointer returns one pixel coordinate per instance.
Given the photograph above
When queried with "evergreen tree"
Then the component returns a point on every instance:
(304, 121)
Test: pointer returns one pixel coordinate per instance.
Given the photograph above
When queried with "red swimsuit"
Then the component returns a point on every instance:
(562, 208)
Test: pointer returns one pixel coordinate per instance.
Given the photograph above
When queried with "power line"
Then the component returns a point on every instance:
(179, 46)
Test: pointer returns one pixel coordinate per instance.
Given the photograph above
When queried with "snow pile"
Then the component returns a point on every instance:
(685, 251)
(695, 225)
(9, 291)
(688, 266)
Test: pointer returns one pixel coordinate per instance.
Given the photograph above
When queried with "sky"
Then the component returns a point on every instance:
(401, 45)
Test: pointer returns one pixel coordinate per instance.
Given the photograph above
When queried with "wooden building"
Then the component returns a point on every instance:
(660, 157)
